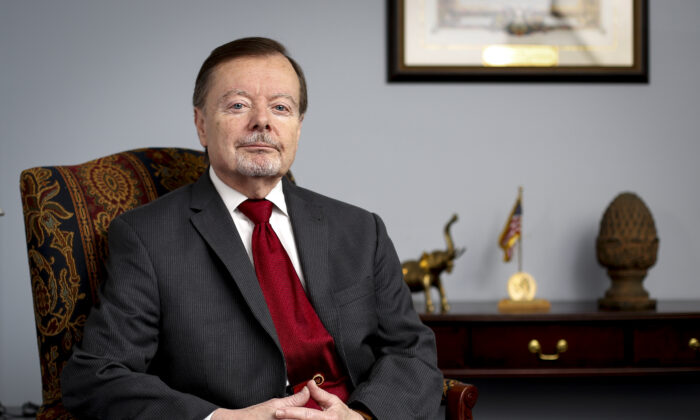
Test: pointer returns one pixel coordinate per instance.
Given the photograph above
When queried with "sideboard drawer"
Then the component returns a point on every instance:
(453, 346)
(508, 346)
(657, 345)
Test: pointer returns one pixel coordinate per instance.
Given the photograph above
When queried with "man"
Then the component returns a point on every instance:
(193, 324)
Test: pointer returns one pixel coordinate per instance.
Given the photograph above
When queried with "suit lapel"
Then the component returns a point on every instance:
(311, 234)
(212, 221)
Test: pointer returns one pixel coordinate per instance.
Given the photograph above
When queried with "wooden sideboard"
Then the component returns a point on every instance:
(475, 340)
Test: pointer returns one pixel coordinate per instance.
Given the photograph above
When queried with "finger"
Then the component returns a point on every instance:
(324, 398)
(297, 400)
(297, 413)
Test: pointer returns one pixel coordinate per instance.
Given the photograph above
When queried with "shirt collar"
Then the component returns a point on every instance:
(233, 198)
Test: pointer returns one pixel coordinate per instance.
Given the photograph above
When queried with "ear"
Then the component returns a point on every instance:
(199, 124)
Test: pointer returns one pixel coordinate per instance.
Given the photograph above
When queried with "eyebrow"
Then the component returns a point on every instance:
(236, 92)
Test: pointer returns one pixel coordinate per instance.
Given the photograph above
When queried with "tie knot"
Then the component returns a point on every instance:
(258, 211)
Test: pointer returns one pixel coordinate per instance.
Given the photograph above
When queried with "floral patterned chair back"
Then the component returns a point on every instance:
(67, 210)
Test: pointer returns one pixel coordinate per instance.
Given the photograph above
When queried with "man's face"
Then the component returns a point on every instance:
(250, 123)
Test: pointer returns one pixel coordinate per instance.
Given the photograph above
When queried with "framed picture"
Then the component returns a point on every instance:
(518, 40)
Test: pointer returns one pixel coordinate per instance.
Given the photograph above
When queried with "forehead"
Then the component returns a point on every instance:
(257, 75)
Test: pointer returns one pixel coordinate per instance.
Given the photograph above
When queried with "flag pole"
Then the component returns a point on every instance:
(520, 237)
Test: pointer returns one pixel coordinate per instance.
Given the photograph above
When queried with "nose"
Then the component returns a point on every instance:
(259, 120)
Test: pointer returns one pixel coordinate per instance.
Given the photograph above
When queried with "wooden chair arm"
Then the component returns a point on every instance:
(459, 399)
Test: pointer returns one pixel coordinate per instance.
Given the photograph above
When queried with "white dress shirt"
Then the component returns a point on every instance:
(279, 219)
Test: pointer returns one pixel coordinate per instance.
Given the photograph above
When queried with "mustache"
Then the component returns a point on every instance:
(258, 138)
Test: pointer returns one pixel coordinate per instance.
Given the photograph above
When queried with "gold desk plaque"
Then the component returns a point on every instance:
(521, 289)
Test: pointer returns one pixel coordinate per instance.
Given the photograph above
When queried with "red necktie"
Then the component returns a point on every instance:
(309, 349)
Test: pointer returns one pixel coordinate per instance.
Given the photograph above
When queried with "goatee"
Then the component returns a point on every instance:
(259, 164)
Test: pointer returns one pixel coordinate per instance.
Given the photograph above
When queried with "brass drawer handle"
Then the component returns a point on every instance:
(694, 344)
(535, 348)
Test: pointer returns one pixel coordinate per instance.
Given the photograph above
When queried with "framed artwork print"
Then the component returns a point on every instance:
(518, 40)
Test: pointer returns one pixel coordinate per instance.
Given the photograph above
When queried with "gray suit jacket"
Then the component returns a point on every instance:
(183, 326)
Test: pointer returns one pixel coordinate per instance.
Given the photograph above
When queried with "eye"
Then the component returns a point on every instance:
(280, 108)
(237, 105)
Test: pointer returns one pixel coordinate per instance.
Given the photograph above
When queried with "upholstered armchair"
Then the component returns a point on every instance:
(67, 210)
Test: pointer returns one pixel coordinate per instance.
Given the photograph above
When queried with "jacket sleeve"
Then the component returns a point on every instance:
(404, 382)
(108, 375)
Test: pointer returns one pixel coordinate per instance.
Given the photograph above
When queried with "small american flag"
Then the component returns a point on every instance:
(511, 231)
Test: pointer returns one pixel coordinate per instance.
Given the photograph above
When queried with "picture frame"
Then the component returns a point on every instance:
(518, 41)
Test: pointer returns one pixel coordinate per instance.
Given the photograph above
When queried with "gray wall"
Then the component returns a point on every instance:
(82, 79)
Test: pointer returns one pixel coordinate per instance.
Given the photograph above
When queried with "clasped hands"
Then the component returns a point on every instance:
(292, 408)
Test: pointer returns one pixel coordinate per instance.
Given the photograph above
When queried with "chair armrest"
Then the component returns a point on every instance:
(459, 399)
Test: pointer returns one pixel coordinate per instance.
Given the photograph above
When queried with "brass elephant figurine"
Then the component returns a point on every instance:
(422, 274)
